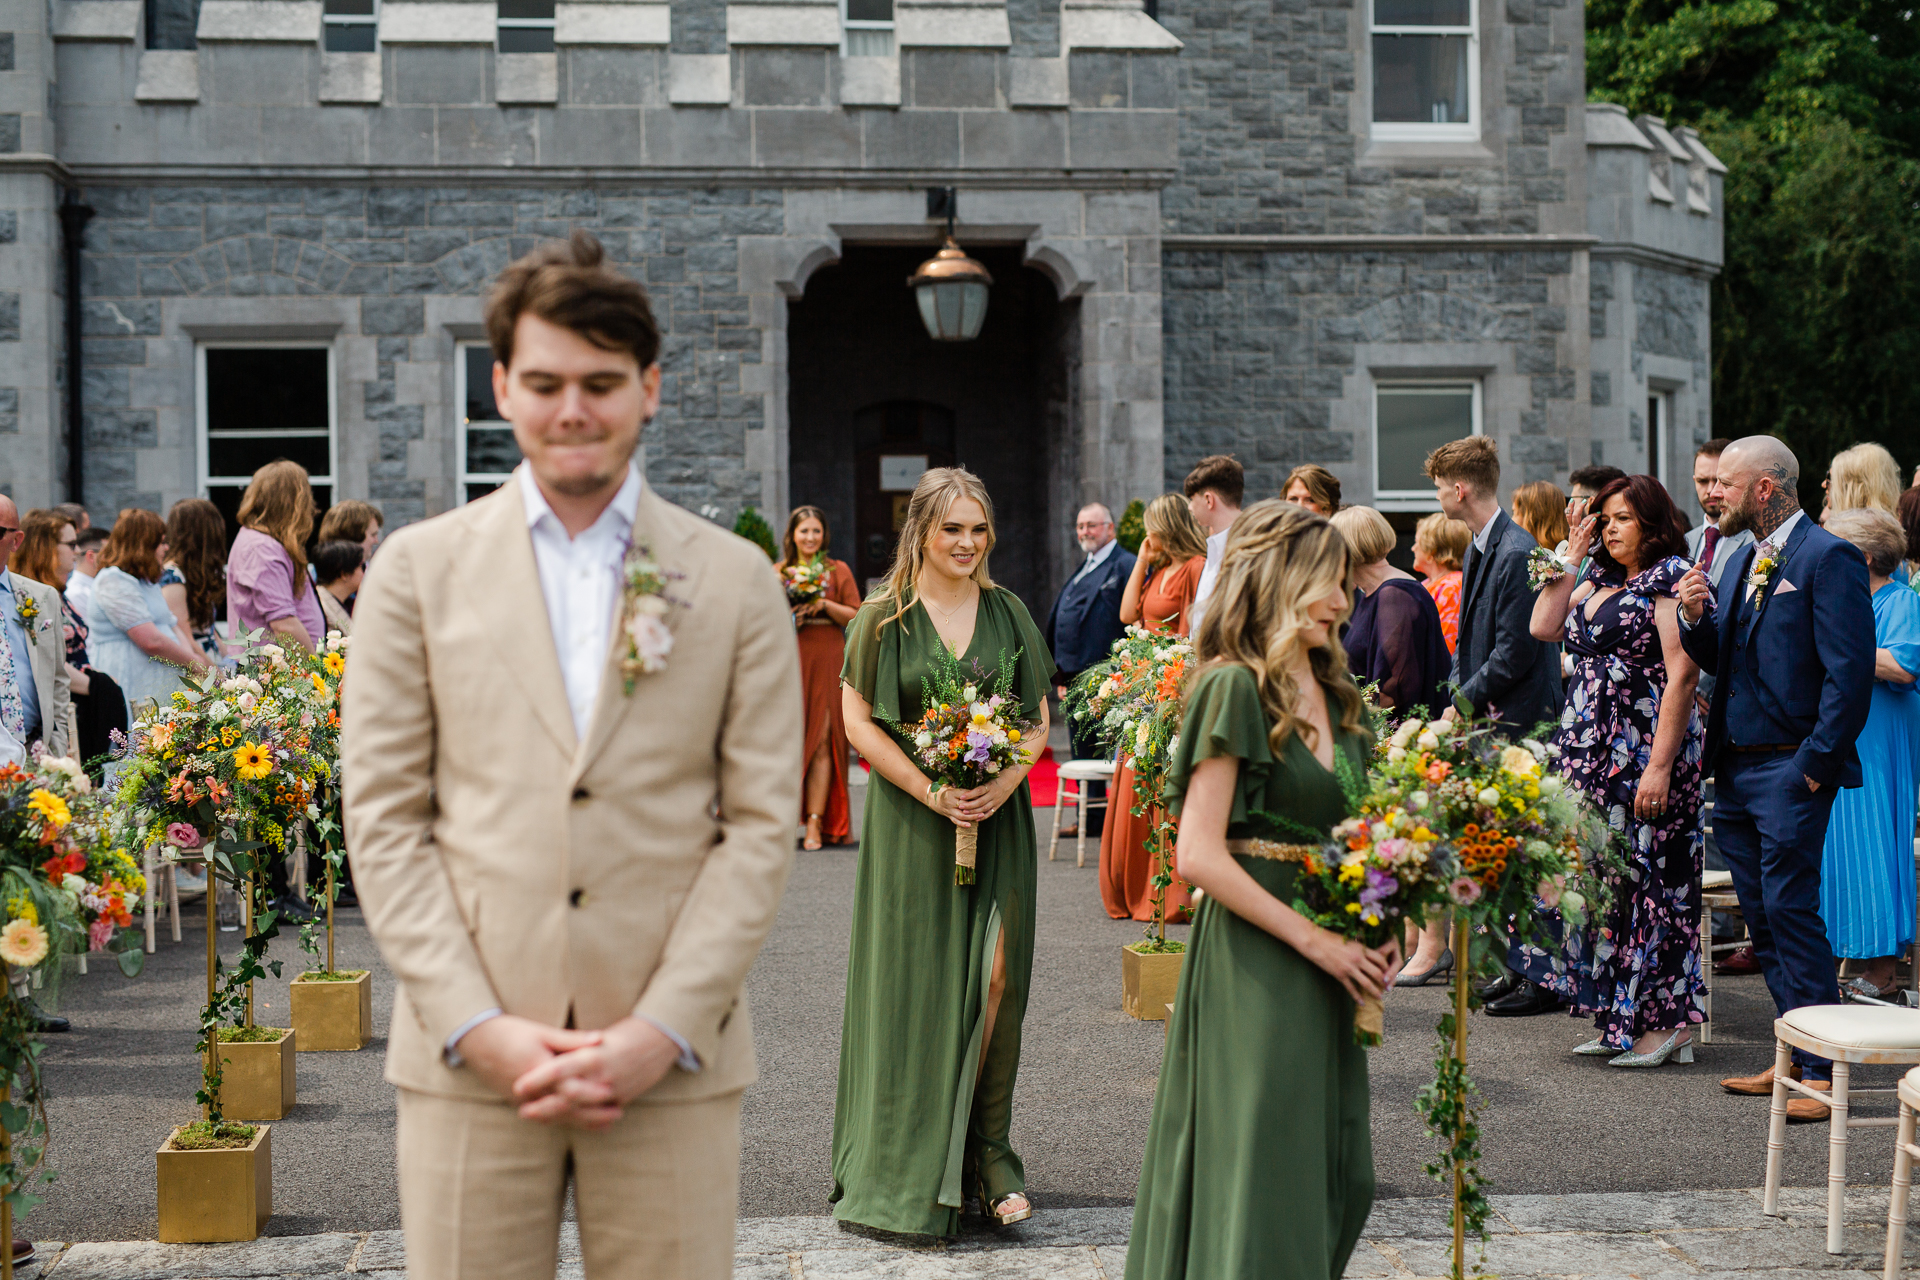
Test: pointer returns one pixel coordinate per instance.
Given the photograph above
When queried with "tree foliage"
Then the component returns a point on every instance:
(1815, 107)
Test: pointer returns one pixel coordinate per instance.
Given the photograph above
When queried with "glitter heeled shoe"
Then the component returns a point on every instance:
(1597, 1048)
(1672, 1047)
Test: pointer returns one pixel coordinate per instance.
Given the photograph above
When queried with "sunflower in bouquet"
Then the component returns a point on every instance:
(968, 734)
(806, 580)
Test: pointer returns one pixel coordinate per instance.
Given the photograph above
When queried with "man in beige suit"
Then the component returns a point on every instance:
(34, 706)
(569, 842)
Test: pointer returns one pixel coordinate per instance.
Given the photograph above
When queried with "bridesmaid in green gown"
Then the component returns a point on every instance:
(937, 975)
(1259, 1161)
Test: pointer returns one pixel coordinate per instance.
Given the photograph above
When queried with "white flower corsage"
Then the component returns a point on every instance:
(1759, 576)
(1544, 566)
(643, 615)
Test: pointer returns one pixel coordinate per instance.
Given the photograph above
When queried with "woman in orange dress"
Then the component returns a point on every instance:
(1439, 549)
(821, 626)
(1159, 595)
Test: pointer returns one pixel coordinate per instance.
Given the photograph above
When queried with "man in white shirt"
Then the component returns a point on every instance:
(86, 563)
(1708, 544)
(1214, 489)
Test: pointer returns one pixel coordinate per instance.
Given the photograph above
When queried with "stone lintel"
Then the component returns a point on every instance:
(260, 21)
(951, 26)
(1106, 27)
(1409, 244)
(526, 78)
(870, 81)
(435, 22)
(97, 19)
(350, 78)
(699, 79)
(612, 24)
(168, 75)
(816, 25)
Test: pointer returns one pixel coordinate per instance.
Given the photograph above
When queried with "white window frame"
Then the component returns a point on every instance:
(206, 479)
(523, 24)
(350, 20)
(1414, 131)
(1659, 431)
(461, 424)
(866, 24)
(1414, 499)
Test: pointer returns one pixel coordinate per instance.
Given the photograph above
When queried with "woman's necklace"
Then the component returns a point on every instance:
(946, 615)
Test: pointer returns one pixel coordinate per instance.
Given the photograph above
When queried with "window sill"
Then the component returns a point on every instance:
(1459, 150)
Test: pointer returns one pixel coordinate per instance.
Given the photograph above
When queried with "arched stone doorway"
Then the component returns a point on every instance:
(870, 394)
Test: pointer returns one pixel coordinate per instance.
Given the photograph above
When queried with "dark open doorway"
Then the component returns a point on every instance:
(871, 396)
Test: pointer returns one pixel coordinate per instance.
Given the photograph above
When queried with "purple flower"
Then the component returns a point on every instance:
(978, 745)
(1380, 885)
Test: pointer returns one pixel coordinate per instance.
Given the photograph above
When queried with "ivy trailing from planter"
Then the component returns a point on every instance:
(233, 861)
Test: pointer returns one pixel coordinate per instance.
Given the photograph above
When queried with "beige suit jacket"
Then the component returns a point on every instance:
(48, 653)
(502, 863)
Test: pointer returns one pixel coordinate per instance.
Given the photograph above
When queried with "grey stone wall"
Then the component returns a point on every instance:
(1260, 352)
(395, 249)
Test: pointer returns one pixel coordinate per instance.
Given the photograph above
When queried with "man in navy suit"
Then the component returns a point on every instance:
(1086, 620)
(1790, 639)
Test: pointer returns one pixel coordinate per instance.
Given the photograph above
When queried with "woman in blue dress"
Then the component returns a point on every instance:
(1866, 881)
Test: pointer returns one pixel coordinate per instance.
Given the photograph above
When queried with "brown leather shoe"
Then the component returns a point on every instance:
(1755, 1086)
(1741, 961)
(1802, 1110)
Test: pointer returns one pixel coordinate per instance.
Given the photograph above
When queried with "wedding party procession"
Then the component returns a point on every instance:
(1082, 640)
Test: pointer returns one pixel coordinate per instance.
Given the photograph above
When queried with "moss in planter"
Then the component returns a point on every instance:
(338, 975)
(1152, 948)
(251, 1035)
(201, 1136)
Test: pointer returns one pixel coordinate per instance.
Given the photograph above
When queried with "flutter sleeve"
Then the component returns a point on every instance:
(1182, 586)
(841, 588)
(872, 666)
(1223, 718)
(117, 598)
(1899, 628)
(1033, 673)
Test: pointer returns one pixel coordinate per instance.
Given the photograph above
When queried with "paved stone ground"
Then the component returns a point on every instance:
(1647, 1235)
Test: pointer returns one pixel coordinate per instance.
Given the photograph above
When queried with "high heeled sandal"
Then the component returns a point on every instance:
(1007, 1217)
(812, 839)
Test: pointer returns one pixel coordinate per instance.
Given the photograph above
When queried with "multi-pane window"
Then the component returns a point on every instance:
(351, 26)
(1411, 420)
(1426, 78)
(488, 454)
(868, 26)
(258, 403)
(526, 26)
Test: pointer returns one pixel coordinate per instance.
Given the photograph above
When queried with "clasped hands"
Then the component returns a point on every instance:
(966, 807)
(581, 1079)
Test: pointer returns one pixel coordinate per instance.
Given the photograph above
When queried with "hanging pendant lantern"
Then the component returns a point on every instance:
(951, 289)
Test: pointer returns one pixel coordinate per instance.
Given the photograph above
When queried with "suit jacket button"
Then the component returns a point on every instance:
(580, 794)
(577, 898)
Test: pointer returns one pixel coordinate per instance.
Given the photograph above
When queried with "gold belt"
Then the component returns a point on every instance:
(1271, 849)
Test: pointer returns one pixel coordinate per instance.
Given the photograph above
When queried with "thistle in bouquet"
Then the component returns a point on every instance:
(806, 580)
(969, 733)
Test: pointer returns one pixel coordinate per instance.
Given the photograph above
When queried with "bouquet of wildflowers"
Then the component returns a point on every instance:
(967, 735)
(1544, 566)
(806, 580)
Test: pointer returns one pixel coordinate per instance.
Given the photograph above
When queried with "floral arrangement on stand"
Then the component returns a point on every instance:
(230, 767)
(1133, 701)
(806, 581)
(967, 736)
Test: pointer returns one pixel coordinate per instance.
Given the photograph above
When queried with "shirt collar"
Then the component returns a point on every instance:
(625, 506)
(1778, 538)
(1482, 538)
(1100, 556)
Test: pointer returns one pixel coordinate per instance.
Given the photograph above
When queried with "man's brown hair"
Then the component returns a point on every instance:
(1220, 473)
(1473, 461)
(1713, 448)
(570, 283)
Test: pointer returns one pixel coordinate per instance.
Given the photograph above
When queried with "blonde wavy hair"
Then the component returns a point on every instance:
(1278, 558)
(1863, 476)
(932, 498)
(1170, 520)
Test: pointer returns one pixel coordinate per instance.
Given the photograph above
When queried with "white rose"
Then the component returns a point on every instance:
(993, 769)
(1550, 786)
(923, 740)
(1417, 801)
(969, 693)
(1442, 728)
(73, 884)
(1428, 741)
(1396, 754)
(652, 641)
(313, 812)
(1404, 734)
(1488, 797)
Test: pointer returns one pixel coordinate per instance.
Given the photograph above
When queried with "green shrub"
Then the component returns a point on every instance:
(754, 528)
(1132, 530)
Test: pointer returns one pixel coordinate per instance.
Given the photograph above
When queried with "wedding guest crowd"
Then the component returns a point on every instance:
(820, 629)
(1394, 639)
(194, 576)
(1314, 487)
(47, 556)
(1541, 509)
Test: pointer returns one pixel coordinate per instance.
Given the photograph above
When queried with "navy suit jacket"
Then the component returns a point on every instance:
(1086, 617)
(1496, 660)
(1807, 652)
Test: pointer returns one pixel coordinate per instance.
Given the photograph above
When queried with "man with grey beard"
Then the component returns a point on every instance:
(1790, 641)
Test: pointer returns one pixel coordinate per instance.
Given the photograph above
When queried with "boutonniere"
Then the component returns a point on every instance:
(28, 611)
(1759, 576)
(643, 614)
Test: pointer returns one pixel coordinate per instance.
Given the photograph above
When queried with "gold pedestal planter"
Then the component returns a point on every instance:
(212, 1196)
(333, 1015)
(258, 1079)
(1148, 982)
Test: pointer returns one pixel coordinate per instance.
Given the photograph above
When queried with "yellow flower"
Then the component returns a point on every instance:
(22, 908)
(1353, 908)
(49, 806)
(334, 663)
(1013, 735)
(252, 761)
(320, 685)
(23, 944)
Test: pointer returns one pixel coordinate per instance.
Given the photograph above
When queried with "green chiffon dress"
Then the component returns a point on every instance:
(1259, 1161)
(911, 1132)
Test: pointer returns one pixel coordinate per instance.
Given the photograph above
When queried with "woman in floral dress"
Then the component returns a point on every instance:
(1630, 741)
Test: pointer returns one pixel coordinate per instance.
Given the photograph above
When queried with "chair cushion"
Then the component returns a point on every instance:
(1858, 1025)
(1711, 880)
(1087, 770)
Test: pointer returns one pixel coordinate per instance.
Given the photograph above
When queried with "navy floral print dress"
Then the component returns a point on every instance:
(1637, 969)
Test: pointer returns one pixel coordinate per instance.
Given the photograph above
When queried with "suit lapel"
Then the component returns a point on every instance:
(502, 584)
(39, 655)
(1779, 574)
(1480, 559)
(656, 528)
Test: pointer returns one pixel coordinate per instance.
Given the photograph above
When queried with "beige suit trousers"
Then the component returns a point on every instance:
(481, 1190)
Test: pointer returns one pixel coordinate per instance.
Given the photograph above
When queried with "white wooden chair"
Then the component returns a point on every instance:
(1846, 1033)
(1716, 894)
(1903, 1153)
(1079, 773)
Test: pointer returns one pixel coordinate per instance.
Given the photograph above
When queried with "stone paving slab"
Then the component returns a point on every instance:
(1707, 1235)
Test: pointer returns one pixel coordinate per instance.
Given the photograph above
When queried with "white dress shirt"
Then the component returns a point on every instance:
(1775, 540)
(1723, 549)
(1094, 560)
(581, 579)
(1216, 547)
(79, 594)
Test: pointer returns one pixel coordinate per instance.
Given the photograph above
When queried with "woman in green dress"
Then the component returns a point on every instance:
(937, 974)
(1259, 1161)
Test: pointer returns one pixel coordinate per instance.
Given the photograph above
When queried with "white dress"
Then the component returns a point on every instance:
(120, 603)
